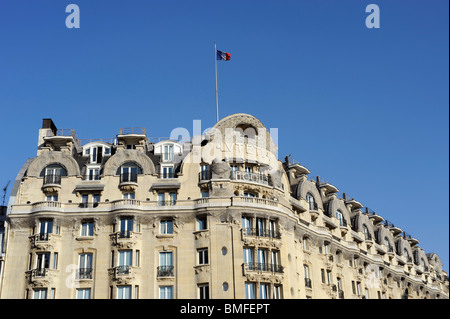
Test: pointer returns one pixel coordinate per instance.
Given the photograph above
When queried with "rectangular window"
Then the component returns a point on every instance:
(202, 256)
(353, 287)
(166, 260)
(126, 227)
(93, 174)
(358, 288)
(261, 226)
(166, 226)
(128, 196)
(366, 293)
(42, 261)
(248, 256)
(246, 224)
(250, 290)
(167, 172)
(168, 153)
(277, 292)
(322, 272)
(263, 291)
(46, 227)
(55, 260)
(161, 199)
(85, 266)
(137, 257)
(87, 228)
(125, 261)
(202, 223)
(84, 293)
(124, 292)
(205, 194)
(172, 198)
(329, 278)
(262, 259)
(40, 293)
(166, 292)
(51, 198)
(203, 291)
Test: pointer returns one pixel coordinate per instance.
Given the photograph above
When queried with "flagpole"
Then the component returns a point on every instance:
(217, 94)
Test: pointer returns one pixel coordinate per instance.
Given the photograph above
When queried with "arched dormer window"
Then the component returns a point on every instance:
(128, 172)
(52, 173)
(311, 202)
(406, 254)
(387, 243)
(340, 218)
(366, 232)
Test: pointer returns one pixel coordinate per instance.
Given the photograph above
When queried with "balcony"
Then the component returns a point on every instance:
(308, 283)
(41, 240)
(274, 268)
(46, 206)
(250, 177)
(204, 176)
(128, 178)
(172, 202)
(122, 273)
(84, 273)
(40, 276)
(128, 182)
(52, 179)
(165, 271)
(124, 238)
(259, 232)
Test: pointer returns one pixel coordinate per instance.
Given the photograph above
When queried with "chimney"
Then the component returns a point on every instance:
(48, 129)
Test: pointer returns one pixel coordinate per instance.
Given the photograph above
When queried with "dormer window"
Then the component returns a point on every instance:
(311, 202)
(167, 153)
(52, 174)
(340, 218)
(128, 172)
(366, 232)
(96, 152)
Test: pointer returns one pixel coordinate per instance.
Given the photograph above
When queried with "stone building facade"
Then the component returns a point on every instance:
(218, 216)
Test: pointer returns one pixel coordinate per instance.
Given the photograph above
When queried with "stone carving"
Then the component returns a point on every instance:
(276, 178)
(220, 170)
(52, 157)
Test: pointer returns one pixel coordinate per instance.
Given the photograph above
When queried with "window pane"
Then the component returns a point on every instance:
(249, 290)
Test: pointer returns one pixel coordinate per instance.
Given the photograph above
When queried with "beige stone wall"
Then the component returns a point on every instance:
(308, 237)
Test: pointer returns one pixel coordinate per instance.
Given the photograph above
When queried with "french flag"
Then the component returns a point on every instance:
(223, 56)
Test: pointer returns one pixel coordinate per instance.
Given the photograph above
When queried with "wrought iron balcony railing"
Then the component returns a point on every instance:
(264, 267)
(308, 283)
(261, 232)
(52, 179)
(84, 273)
(128, 178)
(165, 271)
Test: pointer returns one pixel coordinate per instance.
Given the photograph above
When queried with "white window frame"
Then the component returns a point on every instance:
(203, 258)
(166, 226)
(84, 293)
(165, 292)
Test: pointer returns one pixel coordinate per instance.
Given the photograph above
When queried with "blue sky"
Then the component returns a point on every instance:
(366, 109)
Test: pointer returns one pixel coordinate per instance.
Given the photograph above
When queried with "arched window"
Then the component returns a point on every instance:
(52, 173)
(340, 218)
(128, 172)
(387, 243)
(311, 201)
(366, 232)
(406, 254)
